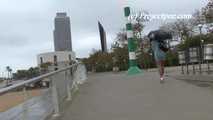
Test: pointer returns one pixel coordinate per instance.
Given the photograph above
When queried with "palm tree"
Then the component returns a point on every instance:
(9, 70)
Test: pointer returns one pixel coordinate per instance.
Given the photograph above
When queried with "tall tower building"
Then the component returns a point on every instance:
(62, 33)
(102, 37)
(63, 55)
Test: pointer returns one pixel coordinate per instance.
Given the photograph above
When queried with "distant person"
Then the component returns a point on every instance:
(159, 48)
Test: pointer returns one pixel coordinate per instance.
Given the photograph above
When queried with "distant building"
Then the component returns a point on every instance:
(102, 37)
(196, 30)
(63, 55)
(59, 58)
(62, 33)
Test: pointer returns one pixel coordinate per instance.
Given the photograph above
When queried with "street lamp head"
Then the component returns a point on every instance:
(202, 41)
(200, 26)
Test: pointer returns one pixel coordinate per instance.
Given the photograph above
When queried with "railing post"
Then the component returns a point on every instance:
(182, 69)
(69, 97)
(193, 65)
(208, 67)
(71, 76)
(187, 68)
(25, 104)
(55, 98)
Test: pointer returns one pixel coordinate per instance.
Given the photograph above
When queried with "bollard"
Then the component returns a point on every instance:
(187, 68)
(200, 68)
(193, 65)
(200, 62)
(182, 69)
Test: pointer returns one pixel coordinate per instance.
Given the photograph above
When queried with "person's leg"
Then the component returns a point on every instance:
(160, 65)
(161, 68)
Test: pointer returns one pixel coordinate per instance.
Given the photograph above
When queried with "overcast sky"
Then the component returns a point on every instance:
(26, 25)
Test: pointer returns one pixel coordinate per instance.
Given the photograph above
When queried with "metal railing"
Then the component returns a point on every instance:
(197, 57)
(40, 97)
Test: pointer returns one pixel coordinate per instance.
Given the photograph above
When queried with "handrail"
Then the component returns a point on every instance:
(33, 80)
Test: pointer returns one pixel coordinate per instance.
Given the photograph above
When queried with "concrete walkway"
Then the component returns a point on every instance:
(109, 96)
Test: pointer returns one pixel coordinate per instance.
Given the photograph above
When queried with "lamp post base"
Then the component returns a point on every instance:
(134, 70)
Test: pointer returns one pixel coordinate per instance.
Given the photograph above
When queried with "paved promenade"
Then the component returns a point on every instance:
(109, 96)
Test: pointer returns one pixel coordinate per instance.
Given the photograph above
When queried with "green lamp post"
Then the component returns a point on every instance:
(133, 68)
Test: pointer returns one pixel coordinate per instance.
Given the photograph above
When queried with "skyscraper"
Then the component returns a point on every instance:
(102, 37)
(62, 33)
(63, 55)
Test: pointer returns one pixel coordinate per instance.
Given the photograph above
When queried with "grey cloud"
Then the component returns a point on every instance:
(13, 40)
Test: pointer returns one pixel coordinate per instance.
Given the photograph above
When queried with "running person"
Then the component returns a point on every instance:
(156, 38)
